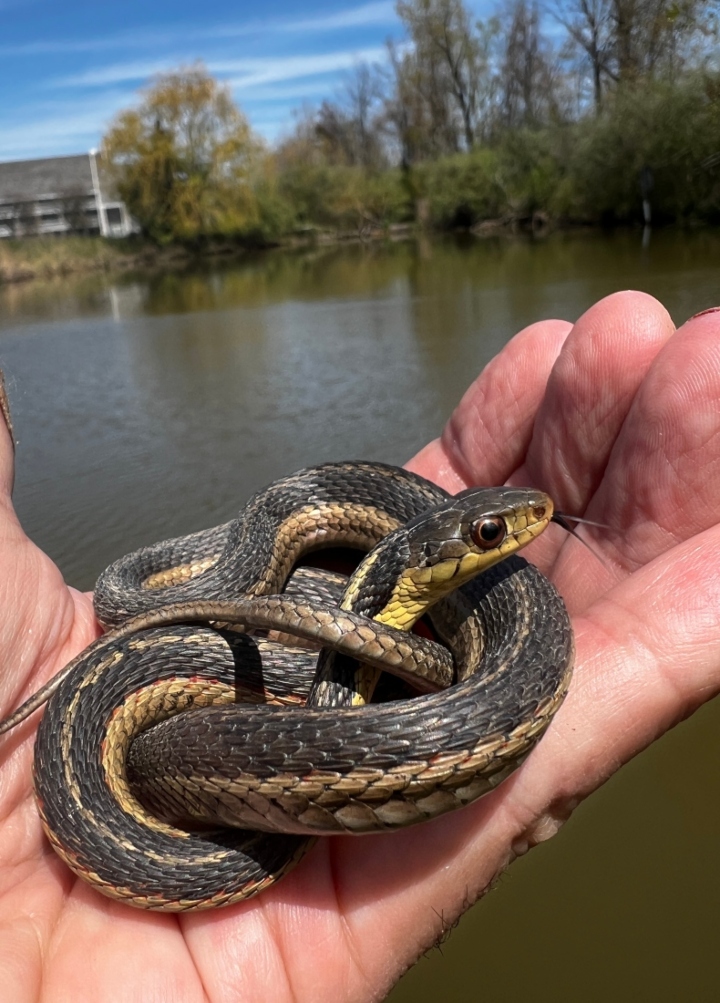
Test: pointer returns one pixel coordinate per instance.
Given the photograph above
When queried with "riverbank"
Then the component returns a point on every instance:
(45, 258)
(52, 257)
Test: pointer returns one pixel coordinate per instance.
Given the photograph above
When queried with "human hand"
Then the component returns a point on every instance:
(618, 418)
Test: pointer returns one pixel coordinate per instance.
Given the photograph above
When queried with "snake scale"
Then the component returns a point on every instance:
(186, 759)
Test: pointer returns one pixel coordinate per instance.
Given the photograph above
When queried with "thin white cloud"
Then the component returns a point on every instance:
(352, 17)
(290, 92)
(58, 129)
(70, 46)
(119, 73)
(252, 72)
(244, 72)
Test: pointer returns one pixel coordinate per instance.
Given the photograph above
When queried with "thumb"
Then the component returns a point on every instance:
(7, 445)
(45, 623)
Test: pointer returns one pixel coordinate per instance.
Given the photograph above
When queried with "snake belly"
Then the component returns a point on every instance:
(273, 764)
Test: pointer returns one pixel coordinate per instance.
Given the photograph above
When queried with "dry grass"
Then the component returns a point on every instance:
(47, 257)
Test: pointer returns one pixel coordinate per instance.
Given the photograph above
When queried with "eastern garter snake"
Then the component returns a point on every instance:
(276, 765)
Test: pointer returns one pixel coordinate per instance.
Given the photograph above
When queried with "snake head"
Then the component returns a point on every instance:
(477, 528)
(450, 544)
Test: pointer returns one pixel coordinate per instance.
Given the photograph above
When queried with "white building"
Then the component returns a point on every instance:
(60, 195)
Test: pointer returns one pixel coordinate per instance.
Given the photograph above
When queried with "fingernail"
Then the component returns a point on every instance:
(712, 309)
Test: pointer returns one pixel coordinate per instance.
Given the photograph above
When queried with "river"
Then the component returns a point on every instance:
(151, 405)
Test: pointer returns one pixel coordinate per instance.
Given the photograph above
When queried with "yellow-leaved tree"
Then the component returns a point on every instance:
(184, 160)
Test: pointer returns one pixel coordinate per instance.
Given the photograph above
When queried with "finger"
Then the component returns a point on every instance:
(7, 444)
(488, 434)
(111, 933)
(662, 481)
(45, 623)
(16, 654)
(589, 393)
(648, 655)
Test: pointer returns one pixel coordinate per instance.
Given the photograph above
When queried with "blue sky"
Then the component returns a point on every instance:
(67, 66)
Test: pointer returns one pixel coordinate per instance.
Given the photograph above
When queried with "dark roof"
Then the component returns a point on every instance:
(25, 180)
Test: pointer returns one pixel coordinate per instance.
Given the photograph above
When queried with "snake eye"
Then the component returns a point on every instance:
(488, 533)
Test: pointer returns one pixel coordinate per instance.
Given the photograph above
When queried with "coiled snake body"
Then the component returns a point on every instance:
(154, 806)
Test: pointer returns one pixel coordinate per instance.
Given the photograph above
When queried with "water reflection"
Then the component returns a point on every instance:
(527, 275)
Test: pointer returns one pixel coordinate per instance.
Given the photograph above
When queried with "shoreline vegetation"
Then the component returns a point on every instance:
(44, 258)
(29, 258)
(48, 258)
(570, 114)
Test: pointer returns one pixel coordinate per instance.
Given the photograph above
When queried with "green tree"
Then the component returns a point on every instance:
(451, 68)
(529, 86)
(185, 159)
(623, 41)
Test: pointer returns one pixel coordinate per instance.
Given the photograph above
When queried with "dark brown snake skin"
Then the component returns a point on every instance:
(120, 771)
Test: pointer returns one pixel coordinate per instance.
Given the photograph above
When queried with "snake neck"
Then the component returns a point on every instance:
(370, 588)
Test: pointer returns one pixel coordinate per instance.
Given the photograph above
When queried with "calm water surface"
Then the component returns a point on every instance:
(151, 406)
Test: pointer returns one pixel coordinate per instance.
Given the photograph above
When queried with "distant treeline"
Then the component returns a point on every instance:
(576, 116)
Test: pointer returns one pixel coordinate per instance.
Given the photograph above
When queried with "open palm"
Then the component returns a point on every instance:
(617, 417)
